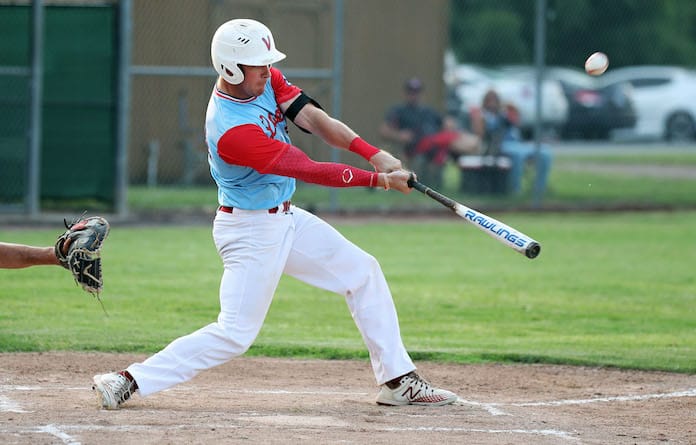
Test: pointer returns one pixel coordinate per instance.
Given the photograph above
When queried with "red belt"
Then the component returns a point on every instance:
(284, 207)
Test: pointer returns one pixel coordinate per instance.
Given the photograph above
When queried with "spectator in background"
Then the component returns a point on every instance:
(497, 126)
(427, 138)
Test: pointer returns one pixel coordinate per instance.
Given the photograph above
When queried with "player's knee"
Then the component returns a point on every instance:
(365, 273)
(371, 265)
(239, 340)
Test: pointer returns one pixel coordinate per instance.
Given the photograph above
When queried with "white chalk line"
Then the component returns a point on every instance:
(53, 430)
(490, 407)
(634, 398)
(59, 431)
(554, 433)
(8, 405)
(494, 408)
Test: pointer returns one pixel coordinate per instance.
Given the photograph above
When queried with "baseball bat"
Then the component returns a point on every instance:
(497, 230)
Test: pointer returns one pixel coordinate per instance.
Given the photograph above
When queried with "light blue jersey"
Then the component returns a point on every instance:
(238, 186)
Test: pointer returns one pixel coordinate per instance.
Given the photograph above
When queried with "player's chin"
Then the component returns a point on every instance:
(260, 89)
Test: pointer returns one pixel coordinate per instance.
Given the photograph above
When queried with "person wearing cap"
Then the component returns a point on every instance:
(427, 139)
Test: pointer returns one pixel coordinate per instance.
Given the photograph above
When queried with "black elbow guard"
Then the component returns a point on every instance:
(297, 105)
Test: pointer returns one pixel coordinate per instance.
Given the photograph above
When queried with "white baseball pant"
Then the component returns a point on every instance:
(256, 248)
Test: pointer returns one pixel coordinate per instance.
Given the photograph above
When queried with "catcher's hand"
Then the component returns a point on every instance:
(79, 251)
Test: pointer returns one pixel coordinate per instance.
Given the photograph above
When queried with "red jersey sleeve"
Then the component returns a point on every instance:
(283, 89)
(248, 145)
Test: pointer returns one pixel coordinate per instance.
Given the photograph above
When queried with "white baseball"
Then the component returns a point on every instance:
(596, 64)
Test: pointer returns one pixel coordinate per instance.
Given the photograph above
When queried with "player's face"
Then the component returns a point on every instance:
(255, 78)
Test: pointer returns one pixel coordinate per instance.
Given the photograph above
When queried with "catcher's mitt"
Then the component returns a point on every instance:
(79, 251)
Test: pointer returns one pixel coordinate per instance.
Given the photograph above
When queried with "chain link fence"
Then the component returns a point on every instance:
(172, 78)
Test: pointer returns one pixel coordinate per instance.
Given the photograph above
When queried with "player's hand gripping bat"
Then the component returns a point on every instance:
(497, 230)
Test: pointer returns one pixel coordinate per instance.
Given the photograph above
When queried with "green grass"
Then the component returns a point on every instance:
(607, 290)
(649, 158)
(587, 190)
(568, 189)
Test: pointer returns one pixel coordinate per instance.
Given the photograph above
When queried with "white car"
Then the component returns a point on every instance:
(664, 99)
(517, 87)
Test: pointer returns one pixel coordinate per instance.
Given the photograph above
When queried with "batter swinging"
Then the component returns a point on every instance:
(260, 235)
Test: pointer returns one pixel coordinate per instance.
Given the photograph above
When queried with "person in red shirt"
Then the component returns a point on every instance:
(428, 139)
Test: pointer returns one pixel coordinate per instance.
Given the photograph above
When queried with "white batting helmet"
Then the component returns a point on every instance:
(242, 42)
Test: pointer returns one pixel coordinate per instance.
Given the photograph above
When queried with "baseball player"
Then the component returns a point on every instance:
(261, 235)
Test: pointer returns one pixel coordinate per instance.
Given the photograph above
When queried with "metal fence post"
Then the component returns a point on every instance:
(33, 192)
(122, 124)
(337, 90)
(539, 59)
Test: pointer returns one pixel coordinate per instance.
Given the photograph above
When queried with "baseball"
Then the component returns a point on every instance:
(596, 64)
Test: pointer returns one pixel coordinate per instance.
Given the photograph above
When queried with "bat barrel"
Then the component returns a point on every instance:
(499, 231)
(532, 250)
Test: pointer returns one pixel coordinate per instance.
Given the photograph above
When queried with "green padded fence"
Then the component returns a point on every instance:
(79, 103)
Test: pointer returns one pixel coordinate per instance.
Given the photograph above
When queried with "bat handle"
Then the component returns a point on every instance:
(437, 196)
(414, 184)
(412, 181)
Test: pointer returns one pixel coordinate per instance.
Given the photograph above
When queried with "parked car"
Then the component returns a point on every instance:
(664, 100)
(594, 111)
(516, 87)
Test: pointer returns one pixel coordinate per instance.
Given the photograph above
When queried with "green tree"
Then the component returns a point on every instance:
(492, 37)
(632, 32)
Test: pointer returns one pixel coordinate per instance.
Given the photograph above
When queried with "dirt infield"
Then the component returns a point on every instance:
(46, 399)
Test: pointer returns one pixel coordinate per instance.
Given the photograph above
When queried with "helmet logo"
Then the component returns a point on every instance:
(267, 41)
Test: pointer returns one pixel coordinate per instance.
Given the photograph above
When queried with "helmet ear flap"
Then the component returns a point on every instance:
(232, 74)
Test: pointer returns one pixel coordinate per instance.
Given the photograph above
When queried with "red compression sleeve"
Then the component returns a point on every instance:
(295, 163)
(249, 146)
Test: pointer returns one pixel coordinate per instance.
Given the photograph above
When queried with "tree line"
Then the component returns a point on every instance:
(631, 32)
